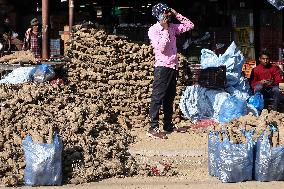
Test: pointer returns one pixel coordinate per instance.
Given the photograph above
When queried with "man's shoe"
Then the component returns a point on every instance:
(156, 133)
(175, 129)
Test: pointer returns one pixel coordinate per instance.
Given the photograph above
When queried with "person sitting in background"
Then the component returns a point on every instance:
(32, 39)
(10, 36)
(265, 78)
(7, 29)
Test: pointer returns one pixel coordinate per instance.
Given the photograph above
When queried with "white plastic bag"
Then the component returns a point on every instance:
(209, 59)
(279, 4)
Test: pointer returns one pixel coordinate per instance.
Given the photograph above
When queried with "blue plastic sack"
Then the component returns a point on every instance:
(194, 103)
(257, 101)
(213, 141)
(43, 162)
(233, 59)
(235, 161)
(42, 73)
(269, 161)
(232, 108)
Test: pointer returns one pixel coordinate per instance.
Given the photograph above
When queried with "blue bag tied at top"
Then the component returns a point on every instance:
(269, 161)
(235, 161)
(42, 73)
(43, 162)
(257, 101)
(232, 108)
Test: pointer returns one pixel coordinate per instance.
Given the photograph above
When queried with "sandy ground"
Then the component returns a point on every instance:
(187, 152)
(173, 183)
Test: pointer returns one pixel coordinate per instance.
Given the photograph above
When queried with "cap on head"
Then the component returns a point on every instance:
(159, 9)
(34, 22)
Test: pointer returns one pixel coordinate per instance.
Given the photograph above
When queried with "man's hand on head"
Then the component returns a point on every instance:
(174, 12)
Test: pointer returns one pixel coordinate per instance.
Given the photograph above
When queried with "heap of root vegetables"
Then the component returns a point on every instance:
(107, 91)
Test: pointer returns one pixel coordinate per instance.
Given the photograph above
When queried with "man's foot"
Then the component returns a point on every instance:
(156, 133)
(175, 129)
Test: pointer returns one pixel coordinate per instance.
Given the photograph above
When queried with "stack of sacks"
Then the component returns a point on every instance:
(197, 102)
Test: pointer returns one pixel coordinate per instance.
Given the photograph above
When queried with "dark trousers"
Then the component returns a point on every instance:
(272, 92)
(164, 91)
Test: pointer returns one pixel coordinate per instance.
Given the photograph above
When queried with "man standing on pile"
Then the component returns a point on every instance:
(265, 79)
(32, 39)
(163, 39)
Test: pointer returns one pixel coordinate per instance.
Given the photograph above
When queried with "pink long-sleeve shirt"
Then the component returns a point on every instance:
(164, 41)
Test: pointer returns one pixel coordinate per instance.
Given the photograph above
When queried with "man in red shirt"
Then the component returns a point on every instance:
(266, 78)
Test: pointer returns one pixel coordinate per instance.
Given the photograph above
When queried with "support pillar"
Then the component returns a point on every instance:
(71, 15)
(45, 23)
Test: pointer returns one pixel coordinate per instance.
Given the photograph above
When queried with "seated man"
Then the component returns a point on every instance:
(265, 78)
(10, 36)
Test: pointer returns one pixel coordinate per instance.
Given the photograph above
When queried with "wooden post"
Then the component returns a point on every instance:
(71, 15)
(45, 23)
(256, 27)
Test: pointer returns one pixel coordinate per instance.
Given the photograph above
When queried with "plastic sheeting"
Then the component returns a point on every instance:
(42, 73)
(237, 93)
(216, 98)
(213, 100)
(233, 60)
(257, 101)
(201, 103)
(209, 59)
(213, 141)
(43, 162)
(194, 103)
(235, 161)
(232, 108)
(269, 161)
(279, 4)
(253, 110)
(19, 75)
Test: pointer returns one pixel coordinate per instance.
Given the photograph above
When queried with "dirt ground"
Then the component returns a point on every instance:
(172, 183)
(188, 154)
